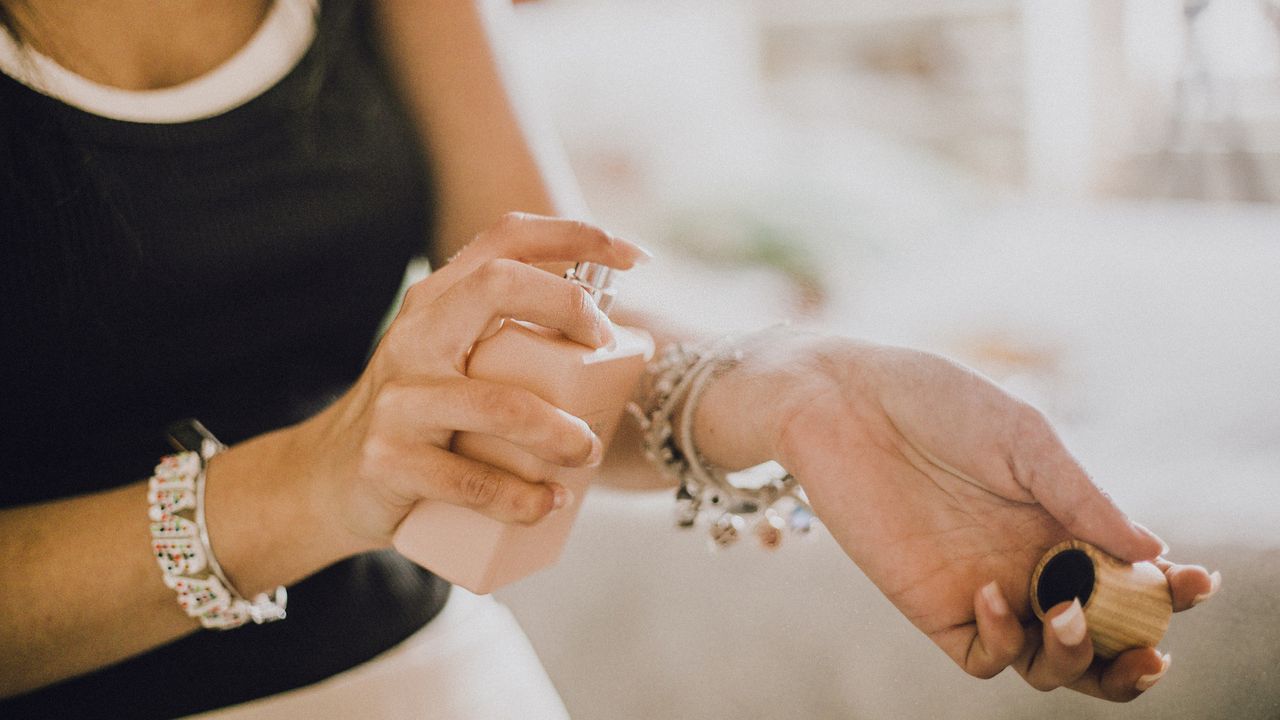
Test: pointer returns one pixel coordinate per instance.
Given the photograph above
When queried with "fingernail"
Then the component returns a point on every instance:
(597, 452)
(994, 598)
(1145, 682)
(639, 253)
(607, 338)
(1070, 626)
(1215, 582)
(563, 497)
(645, 253)
(1164, 546)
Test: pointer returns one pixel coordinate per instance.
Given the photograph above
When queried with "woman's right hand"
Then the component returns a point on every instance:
(384, 445)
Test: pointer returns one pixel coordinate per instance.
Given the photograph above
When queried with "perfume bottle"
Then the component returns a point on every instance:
(478, 552)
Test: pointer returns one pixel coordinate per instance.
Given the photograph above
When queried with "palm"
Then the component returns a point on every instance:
(927, 536)
(936, 482)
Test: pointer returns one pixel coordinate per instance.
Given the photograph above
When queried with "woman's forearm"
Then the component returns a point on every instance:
(79, 586)
(461, 87)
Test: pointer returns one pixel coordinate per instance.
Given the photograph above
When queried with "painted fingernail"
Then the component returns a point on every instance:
(1164, 546)
(597, 452)
(1070, 626)
(563, 496)
(607, 338)
(1145, 682)
(1215, 582)
(994, 598)
(645, 254)
(639, 253)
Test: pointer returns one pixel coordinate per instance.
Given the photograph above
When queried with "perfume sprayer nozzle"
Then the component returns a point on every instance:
(597, 280)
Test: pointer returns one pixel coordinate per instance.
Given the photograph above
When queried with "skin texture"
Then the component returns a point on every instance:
(933, 480)
(386, 441)
(937, 483)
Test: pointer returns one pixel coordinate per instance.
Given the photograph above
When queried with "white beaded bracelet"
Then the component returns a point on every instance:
(674, 384)
(180, 543)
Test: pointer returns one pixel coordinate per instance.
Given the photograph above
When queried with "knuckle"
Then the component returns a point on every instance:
(375, 459)
(496, 276)
(480, 488)
(979, 662)
(416, 293)
(396, 345)
(510, 222)
(390, 399)
(409, 341)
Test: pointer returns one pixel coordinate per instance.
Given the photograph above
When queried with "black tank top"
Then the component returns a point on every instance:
(233, 269)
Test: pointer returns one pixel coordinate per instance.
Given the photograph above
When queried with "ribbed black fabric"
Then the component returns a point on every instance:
(232, 269)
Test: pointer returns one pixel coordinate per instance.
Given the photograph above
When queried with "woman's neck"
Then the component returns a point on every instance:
(137, 44)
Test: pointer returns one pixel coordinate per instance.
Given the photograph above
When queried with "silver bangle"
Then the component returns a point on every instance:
(673, 384)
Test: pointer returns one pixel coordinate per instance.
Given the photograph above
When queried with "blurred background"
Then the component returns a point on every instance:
(1078, 197)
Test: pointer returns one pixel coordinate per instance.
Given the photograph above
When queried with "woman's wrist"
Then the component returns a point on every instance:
(264, 514)
(743, 415)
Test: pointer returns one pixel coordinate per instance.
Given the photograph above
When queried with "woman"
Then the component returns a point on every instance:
(207, 207)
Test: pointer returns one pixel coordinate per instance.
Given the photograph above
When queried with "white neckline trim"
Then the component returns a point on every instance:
(275, 49)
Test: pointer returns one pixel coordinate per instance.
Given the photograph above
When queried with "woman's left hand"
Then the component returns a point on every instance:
(946, 491)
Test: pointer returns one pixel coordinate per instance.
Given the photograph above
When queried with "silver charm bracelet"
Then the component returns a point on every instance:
(674, 383)
(180, 537)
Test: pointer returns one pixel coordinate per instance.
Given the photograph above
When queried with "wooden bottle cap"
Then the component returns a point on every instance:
(1125, 605)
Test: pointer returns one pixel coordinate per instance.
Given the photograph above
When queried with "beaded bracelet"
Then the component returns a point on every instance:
(675, 381)
(180, 543)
